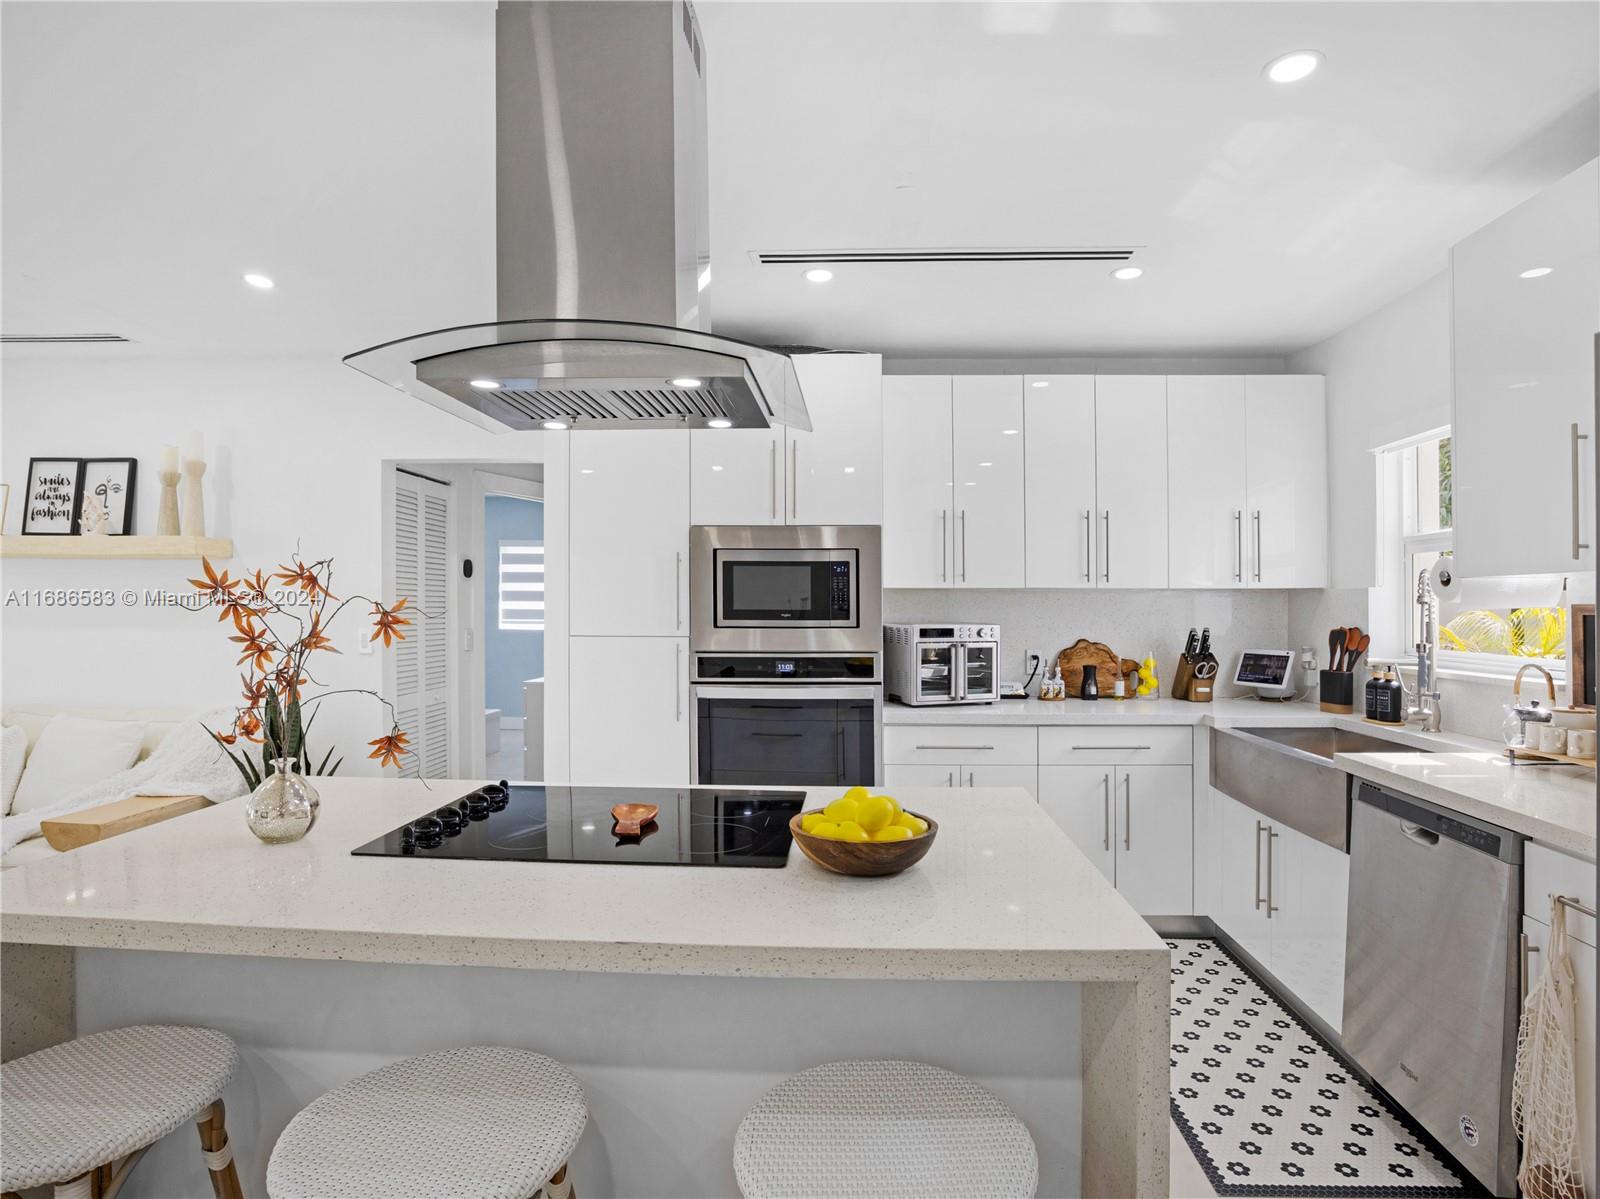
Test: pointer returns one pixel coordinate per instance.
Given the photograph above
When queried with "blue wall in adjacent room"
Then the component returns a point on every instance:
(513, 655)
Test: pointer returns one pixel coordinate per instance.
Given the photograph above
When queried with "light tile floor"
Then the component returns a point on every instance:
(507, 764)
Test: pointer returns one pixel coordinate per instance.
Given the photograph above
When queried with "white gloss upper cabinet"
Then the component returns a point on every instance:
(987, 499)
(834, 473)
(1286, 472)
(737, 477)
(1130, 434)
(917, 476)
(1524, 361)
(1059, 517)
(629, 533)
(1207, 498)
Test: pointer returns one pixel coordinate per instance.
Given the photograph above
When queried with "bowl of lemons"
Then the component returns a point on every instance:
(863, 834)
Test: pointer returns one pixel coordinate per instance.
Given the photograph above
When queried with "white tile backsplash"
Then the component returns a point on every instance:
(1132, 623)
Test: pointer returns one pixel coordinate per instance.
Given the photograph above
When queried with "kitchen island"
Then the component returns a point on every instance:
(678, 995)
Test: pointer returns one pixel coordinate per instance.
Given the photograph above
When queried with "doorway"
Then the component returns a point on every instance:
(513, 632)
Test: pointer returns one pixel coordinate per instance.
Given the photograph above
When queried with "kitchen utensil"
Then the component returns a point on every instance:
(1337, 691)
(1353, 654)
(1071, 661)
(1552, 739)
(631, 818)
(1352, 638)
(864, 859)
(1519, 714)
(1335, 648)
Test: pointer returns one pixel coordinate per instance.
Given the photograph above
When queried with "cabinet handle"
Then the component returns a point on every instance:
(1272, 835)
(1258, 545)
(1525, 974)
(1105, 548)
(1578, 546)
(963, 545)
(1127, 816)
(794, 480)
(1092, 748)
(677, 589)
(1106, 780)
(1088, 545)
(1238, 545)
(944, 545)
(1260, 828)
(950, 779)
(969, 778)
(773, 467)
(677, 691)
(955, 747)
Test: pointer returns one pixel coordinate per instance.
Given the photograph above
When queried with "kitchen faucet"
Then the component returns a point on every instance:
(1427, 707)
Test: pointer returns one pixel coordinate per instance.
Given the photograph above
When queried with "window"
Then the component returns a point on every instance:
(1417, 499)
(521, 582)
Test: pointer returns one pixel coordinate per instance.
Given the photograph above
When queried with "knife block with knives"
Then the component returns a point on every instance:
(1195, 678)
(1337, 689)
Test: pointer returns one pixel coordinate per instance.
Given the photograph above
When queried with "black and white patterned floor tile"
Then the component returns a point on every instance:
(1269, 1109)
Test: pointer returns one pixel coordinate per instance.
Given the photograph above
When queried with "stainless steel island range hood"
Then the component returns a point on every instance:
(603, 243)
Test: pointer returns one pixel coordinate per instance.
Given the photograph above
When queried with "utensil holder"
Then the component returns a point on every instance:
(1337, 691)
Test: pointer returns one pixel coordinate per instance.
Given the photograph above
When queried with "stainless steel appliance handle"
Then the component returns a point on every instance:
(677, 691)
(958, 663)
(1272, 835)
(1105, 547)
(963, 545)
(972, 747)
(777, 734)
(773, 466)
(1578, 545)
(944, 545)
(1238, 545)
(1127, 816)
(1525, 948)
(1258, 545)
(793, 691)
(1076, 748)
(1088, 545)
(677, 588)
(1422, 836)
(1260, 828)
(1106, 780)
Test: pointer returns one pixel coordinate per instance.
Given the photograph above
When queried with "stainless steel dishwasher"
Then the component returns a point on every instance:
(1430, 973)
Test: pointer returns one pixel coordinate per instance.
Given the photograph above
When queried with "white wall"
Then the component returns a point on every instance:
(296, 448)
(1089, 364)
(1388, 377)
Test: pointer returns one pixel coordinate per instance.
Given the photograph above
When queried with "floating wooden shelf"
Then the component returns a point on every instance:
(115, 547)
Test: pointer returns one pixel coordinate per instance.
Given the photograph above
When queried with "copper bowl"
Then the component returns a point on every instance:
(864, 859)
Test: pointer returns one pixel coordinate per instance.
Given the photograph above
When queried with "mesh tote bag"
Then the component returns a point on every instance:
(1544, 1098)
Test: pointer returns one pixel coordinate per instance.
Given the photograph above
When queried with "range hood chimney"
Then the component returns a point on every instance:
(603, 266)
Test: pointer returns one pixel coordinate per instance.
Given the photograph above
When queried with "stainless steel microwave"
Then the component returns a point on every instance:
(785, 589)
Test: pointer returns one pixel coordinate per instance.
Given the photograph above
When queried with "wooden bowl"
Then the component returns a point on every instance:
(629, 819)
(864, 859)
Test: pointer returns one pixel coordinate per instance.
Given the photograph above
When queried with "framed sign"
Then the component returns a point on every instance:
(110, 480)
(1580, 655)
(50, 504)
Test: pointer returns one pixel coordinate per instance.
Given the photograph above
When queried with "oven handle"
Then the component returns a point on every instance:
(790, 691)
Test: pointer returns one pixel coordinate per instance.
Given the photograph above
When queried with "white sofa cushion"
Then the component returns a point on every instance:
(72, 753)
(13, 753)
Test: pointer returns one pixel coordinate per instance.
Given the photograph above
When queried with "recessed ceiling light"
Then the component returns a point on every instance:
(719, 422)
(818, 274)
(1538, 272)
(259, 281)
(486, 384)
(686, 381)
(1127, 272)
(555, 424)
(1293, 66)
(1040, 383)
(1009, 432)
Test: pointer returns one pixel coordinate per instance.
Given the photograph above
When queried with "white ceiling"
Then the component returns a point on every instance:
(153, 152)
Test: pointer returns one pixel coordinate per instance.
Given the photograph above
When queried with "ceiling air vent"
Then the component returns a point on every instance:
(1015, 254)
(67, 339)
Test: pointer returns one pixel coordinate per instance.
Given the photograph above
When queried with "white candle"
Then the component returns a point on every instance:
(193, 446)
(169, 458)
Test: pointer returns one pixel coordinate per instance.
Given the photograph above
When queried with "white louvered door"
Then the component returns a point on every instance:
(421, 560)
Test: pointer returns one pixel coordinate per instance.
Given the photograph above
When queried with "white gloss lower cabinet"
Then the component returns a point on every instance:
(917, 477)
(961, 776)
(628, 710)
(1583, 968)
(628, 522)
(1135, 822)
(1130, 435)
(1241, 910)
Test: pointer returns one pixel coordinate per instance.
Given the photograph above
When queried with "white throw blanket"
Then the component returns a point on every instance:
(187, 762)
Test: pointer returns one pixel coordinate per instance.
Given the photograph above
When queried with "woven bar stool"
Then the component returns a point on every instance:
(474, 1123)
(882, 1129)
(79, 1115)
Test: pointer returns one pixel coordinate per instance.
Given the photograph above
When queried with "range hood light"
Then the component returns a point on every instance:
(486, 384)
(686, 381)
(555, 425)
(719, 422)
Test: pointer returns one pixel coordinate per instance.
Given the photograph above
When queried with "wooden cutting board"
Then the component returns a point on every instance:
(112, 819)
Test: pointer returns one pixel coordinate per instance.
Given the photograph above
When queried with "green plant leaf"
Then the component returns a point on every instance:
(322, 767)
(294, 732)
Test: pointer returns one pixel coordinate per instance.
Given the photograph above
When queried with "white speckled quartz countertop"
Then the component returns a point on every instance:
(1003, 894)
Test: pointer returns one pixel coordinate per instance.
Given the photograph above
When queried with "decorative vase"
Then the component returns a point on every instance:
(284, 807)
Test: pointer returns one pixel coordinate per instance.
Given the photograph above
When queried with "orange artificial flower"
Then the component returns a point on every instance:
(304, 577)
(255, 690)
(387, 623)
(249, 727)
(316, 638)
(256, 650)
(389, 749)
(219, 589)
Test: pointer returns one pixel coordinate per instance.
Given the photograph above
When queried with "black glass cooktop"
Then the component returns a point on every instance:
(524, 822)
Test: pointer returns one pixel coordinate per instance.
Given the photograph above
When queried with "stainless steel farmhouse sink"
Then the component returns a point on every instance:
(1288, 774)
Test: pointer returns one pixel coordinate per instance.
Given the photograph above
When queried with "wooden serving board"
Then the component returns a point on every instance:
(113, 819)
(1518, 754)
